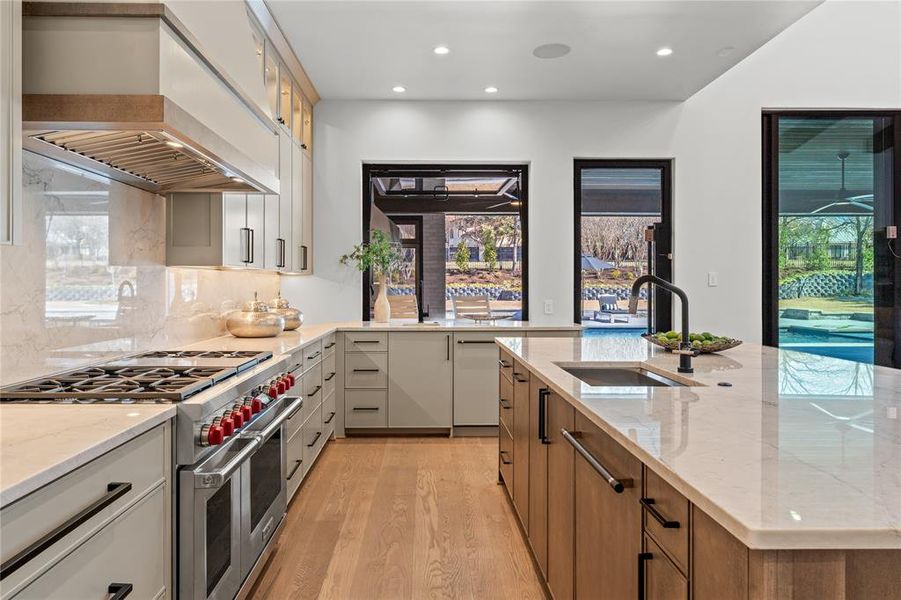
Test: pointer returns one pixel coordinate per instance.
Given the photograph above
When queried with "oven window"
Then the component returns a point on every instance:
(218, 535)
(265, 478)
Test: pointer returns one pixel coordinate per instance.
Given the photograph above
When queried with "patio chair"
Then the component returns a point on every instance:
(471, 306)
(403, 306)
(610, 310)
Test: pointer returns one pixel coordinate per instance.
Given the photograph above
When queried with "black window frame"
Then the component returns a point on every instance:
(663, 303)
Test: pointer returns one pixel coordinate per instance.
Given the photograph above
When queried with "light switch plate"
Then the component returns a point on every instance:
(713, 279)
(548, 307)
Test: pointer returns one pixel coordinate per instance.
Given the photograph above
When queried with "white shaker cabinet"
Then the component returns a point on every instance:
(420, 379)
(279, 231)
(302, 226)
(10, 119)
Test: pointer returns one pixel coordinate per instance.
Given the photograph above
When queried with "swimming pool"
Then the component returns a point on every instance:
(852, 346)
(612, 331)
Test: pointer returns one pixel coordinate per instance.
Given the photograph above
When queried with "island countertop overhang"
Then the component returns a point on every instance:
(801, 452)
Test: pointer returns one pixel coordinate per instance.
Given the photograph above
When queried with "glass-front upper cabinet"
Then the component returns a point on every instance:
(284, 90)
(296, 114)
(271, 80)
(307, 139)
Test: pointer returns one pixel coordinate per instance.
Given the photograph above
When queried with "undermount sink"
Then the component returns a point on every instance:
(620, 377)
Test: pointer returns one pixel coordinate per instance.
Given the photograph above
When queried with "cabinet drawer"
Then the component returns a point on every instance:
(294, 464)
(366, 370)
(506, 364)
(662, 580)
(141, 462)
(312, 434)
(505, 457)
(328, 344)
(329, 377)
(366, 408)
(506, 402)
(328, 413)
(671, 507)
(294, 423)
(312, 354)
(312, 385)
(365, 341)
(132, 549)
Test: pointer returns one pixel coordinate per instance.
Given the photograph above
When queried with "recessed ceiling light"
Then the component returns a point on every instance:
(398, 89)
(664, 51)
(441, 50)
(175, 145)
(490, 90)
(551, 51)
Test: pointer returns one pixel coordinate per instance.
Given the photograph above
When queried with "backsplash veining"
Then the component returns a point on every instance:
(89, 280)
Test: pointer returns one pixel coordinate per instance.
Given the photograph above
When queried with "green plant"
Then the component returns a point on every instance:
(379, 255)
(462, 256)
(615, 274)
(490, 244)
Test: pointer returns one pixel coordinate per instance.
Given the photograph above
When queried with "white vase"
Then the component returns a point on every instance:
(382, 309)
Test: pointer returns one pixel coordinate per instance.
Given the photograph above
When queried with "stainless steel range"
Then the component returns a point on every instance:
(230, 449)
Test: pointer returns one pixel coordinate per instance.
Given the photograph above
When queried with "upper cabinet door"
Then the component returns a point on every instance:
(307, 126)
(307, 202)
(272, 258)
(256, 223)
(297, 114)
(284, 92)
(286, 198)
(235, 234)
(300, 257)
(270, 77)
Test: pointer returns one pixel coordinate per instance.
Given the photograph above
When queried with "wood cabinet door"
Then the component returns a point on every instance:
(608, 524)
(560, 499)
(420, 379)
(521, 444)
(661, 579)
(537, 475)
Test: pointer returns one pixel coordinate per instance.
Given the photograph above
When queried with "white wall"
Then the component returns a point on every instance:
(841, 55)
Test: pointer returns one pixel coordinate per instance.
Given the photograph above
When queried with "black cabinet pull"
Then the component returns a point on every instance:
(651, 507)
(303, 259)
(331, 345)
(519, 378)
(245, 234)
(297, 464)
(504, 460)
(114, 491)
(643, 557)
(367, 341)
(505, 404)
(330, 376)
(330, 417)
(315, 439)
(366, 370)
(314, 355)
(251, 246)
(315, 391)
(543, 393)
(119, 591)
(475, 341)
(613, 482)
(366, 408)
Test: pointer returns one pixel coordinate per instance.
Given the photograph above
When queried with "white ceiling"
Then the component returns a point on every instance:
(360, 49)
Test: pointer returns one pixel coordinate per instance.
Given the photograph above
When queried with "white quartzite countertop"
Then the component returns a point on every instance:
(802, 451)
(42, 442)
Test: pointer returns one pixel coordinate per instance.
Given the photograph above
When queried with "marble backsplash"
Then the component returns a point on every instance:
(89, 280)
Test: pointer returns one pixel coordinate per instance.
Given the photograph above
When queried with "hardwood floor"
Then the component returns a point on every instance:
(400, 518)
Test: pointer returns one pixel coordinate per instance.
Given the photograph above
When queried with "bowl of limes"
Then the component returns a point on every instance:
(703, 343)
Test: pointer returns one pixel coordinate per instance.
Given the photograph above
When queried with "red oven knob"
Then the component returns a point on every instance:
(291, 380)
(238, 418)
(256, 405)
(211, 435)
(227, 425)
(281, 386)
(247, 413)
(273, 391)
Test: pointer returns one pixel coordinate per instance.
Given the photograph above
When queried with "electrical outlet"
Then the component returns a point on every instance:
(548, 307)
(713, 279)
(891, 232)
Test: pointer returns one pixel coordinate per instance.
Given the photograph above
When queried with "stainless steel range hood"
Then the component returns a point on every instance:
(146, 141)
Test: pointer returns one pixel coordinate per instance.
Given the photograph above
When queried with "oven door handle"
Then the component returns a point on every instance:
(289, 411)
(215, 479)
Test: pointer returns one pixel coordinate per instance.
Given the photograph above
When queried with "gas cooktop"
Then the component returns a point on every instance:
(151, 377)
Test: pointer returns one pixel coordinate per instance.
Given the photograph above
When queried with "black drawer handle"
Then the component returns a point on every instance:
(332, 345)
(651, 507)
(315, 439)
(297, 464)
(366, 370)
(330, 376)
(367, 341)
(314, 355)
(330, 417)
(503, 364)
(518, 378)
(505, 461)
(315, 391)
(114, 491)
(366, 408)
(119, 591)
(543, 393)
(643, 557)
(505, 404)
(475, 341)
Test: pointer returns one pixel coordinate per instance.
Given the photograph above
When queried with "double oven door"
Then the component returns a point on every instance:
(230, 505)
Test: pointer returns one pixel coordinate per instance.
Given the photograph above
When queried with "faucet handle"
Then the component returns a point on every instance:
(686, 348)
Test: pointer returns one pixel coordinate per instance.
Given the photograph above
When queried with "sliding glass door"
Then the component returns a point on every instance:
(831, 263)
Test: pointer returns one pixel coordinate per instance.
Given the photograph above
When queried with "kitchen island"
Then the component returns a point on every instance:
(767, 474)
